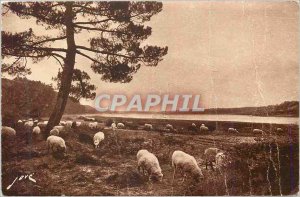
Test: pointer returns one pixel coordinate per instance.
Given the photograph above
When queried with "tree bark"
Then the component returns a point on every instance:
(67, 73)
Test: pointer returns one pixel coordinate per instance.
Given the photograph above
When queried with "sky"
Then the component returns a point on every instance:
(232, 54)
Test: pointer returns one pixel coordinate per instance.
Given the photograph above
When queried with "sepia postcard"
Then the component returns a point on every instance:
(150, 98)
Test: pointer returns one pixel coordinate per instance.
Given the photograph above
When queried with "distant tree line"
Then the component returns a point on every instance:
(23, 98)
(287, 108)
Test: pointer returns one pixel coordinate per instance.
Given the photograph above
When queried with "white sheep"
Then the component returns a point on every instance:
(46, 121)
(98, 137)
(279, 130)
(90, 119)
(20, 121)
(68, 124)
(141, 153)
(113, 126)
(35, 121)
(232, 130)
(210, 156)
(42, 125)
(55, 132)
(62, 123)
(193, 127)
(8, 132)
(93, 125)
(148, 162)
(258, 131)
(78, 124)
(60, 128)
(169, 127)
(29, 124)
(221, 161)
(203, 128)
(187, 164)
(56, 144)
(120, 125)
(148, 127)
(36, 130)
(148, 143)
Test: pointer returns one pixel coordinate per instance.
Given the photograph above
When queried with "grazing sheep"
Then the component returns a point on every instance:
(98, 137)
(120, 125)
(42, 125)
(192, 127)
(148, 127)
(19, 124)
(78, 124)
(29, 124)
(232, 130)
(56, 144)
(279, 130)
(203, 129)
(55, 132)
(60, 128)
(93, 125)
(36, 130)
(258, 131)
(187, 164)
(113, 126)
(221, 161)
(148, 143)
(68, 124)
(46, 121)
(141, 153)
(28, 127)
(8, 132)
(148, 162)
(210, 156)
(62, 123)
(169, 127)
(35, 121)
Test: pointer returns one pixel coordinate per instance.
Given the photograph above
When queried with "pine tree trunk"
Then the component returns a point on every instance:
(67, 73)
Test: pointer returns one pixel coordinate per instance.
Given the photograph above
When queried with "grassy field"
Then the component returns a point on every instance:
(261, 165)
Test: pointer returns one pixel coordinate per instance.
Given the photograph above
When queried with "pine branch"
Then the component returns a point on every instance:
(84, 55)
(49, 40)
(8, 67)
(107, 53)
(61, 65)
(93, 22)
(98, 29)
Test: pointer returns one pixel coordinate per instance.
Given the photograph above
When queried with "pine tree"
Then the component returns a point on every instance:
(115, 32)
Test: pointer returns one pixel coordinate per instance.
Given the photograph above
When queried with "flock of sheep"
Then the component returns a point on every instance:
(147, 161)
(185, 163)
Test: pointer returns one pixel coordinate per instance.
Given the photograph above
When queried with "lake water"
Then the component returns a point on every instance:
(207, 117)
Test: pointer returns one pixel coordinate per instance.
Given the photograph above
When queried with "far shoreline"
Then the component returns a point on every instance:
(105, 116)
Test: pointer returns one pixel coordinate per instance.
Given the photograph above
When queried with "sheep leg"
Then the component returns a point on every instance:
(183, 178)
(206, 165)
(174, 174)
(139, 168)
(211, 165)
